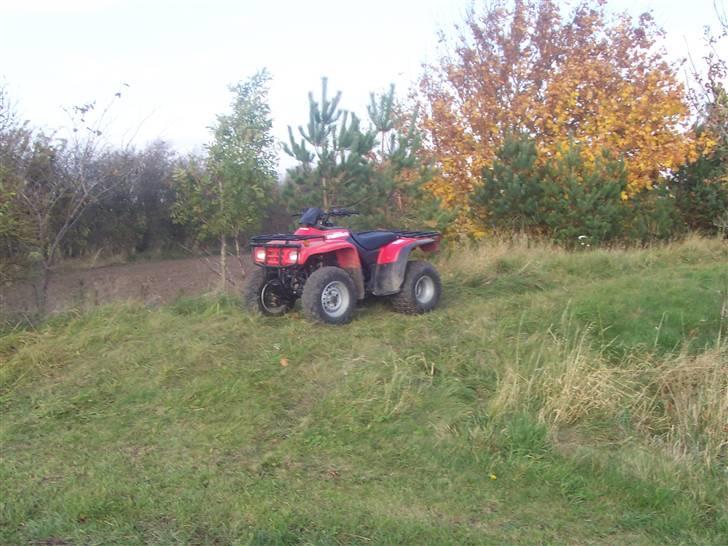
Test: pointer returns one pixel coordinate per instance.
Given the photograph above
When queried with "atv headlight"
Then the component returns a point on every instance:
(290, 257)
(260, 255)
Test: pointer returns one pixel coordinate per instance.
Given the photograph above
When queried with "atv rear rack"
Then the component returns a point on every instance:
(417, 234)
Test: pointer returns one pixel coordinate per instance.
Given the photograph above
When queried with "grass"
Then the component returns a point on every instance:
(555, 398)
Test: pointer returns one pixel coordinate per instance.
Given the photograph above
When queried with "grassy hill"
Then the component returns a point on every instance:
(560, 398)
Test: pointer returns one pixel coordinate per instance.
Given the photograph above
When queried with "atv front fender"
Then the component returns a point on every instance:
(345, 256)
(392, 264)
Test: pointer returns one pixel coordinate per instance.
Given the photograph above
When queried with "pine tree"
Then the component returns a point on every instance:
(334, 168)
(564, 197)
(511, 194)
(399, 172)
(378, 168)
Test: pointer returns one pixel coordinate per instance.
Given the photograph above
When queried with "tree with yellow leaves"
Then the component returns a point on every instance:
(586, 78)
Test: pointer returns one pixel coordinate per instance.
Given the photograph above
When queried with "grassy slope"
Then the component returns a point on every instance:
(555, 398)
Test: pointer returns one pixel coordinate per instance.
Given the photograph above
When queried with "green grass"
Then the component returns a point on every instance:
(554, 398)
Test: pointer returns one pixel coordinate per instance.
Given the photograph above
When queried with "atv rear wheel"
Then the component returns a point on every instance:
(265, 295)
(329, 296)
(420, 291)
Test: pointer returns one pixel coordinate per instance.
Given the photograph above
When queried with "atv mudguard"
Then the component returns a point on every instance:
(392, 264)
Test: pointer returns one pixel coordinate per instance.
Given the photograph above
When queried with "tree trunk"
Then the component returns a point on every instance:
(326, 195)
(48, 252)
(40, 288)
(223, 242)
(240, 258)
(223, 263)
(44, 289)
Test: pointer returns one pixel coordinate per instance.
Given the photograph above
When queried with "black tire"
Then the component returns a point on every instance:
(421, 289)
(263, 294)
(329, 296)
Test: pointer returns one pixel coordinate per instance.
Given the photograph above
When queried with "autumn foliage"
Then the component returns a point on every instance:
(587, 78)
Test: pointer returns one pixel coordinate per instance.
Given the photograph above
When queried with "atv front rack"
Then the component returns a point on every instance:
(288, 240)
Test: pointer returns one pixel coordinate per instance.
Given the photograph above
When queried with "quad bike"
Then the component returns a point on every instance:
(330, 268)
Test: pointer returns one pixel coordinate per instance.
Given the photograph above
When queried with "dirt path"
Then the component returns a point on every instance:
(149, 282)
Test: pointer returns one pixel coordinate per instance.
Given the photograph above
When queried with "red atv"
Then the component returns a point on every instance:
(330, 268)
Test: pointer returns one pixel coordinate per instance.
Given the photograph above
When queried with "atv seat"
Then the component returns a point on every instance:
(372, 240)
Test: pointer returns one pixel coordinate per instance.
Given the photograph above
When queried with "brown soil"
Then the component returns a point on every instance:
(152, 283)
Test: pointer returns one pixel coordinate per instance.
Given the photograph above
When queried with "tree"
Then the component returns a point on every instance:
(707, 92)
(154, 196)
(134, 212)
(511, 196)
(333, 155)
(701, 187)
(56, 180)
(523, 67)
(14, 139)
(722, 14)
(582, 196)
(226, 193)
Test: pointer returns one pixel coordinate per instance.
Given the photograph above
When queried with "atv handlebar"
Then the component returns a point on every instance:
(316, 216)
(330, 212)
(341, 212)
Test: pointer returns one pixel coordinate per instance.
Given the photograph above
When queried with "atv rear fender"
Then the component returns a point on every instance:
(392, 263)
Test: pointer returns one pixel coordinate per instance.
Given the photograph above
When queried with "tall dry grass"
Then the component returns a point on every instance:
(678, 402)
(487, 259)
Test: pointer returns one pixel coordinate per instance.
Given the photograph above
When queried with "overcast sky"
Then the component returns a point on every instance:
(178, 56)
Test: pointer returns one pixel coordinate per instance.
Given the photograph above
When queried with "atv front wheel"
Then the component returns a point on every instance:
(420, 291)
(265, 295)
(329, 296)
